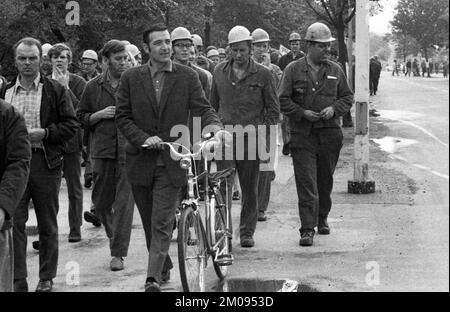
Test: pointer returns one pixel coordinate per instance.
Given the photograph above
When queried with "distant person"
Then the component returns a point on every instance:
(423, 66)
(408, 68)
(445, 69)
(374, 74)
(415, 68)
(395, 70)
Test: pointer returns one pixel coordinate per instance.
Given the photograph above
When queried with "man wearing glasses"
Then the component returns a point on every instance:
(88, 64)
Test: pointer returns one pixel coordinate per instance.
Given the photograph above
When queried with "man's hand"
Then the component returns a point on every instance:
(106, 113)
(266, 59)
(2, 217)
(327, 113)
(36, 135)
(311, 116)
(153, 143)
(61, 78)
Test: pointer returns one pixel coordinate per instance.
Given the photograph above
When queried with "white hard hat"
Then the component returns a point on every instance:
(212, 52)
(134, 50)
(197, 40)
(260, 35)
(221, 51)
(239, 34)
(295, 37)
(319, 32)
(90, 54)
(180, 33)
(45, 48)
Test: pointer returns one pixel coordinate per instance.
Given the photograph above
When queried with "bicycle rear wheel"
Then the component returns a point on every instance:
(192, 254)
(220, 235)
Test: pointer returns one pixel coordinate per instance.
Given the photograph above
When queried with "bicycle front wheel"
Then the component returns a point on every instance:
(192, 254)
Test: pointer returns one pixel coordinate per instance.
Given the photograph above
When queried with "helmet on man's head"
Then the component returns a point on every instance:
(260, 35)
(90, 54)
(295, 37)
(319, 32)
(197, 40)
(239, 34)
(180, 33)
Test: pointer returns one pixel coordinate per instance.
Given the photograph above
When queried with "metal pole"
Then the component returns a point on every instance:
(361, 183)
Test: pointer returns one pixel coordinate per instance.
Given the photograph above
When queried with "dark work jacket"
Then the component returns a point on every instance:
(139, 117)
(105, 142)
(286, 59)
(58, 117)
(76, 88)
(298, 93)
(250, 101)
(15, 156)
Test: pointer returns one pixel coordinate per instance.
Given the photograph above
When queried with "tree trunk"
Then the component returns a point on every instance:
(208, 10)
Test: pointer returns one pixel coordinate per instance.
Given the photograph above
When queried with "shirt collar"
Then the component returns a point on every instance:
(34, 86)
(252, 68)
(168, 67)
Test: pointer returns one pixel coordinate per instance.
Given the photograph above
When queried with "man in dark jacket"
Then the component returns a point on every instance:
(152, 99)
(61, 56)
(314, 93)
(51, 122)
(294, 55)
(374, 74)
(111, 194)
(15, 155)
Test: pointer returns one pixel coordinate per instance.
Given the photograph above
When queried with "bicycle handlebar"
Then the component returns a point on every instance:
(204, 145)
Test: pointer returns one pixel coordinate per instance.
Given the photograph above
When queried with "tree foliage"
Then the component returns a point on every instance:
(424, 20)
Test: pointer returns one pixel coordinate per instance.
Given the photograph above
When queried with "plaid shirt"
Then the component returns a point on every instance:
(28, 103)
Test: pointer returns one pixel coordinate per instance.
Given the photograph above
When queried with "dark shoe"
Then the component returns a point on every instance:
(165, 277)
(262, 216)
(92, 218)
(44, 286)
(21, 285)
(347, 124)
(323, 228)
(247, 242)
(236, 195)
(286, 149)
(88, 182)
(152, 286)
(74, 238)
(116, 264)
(35, 245)
(307, 238)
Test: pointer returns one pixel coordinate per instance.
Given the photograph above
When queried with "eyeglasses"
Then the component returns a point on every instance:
(87, 64)
(183, 45)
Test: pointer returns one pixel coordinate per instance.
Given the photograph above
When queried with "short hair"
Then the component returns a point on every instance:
(113, 47)
(153, 28)
(57, 49)
(29, 41)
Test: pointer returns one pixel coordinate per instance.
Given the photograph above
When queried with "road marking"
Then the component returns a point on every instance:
(422, 86)
(397, 116)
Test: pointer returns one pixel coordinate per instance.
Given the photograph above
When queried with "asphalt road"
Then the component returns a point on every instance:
(396, 239)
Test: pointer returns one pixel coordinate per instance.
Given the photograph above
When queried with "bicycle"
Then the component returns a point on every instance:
(196, 243)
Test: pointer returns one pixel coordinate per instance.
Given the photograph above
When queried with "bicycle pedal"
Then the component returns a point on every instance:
(225, 260)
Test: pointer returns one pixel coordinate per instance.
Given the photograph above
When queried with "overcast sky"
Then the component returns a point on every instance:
(380, 23)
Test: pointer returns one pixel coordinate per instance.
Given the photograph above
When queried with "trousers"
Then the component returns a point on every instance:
(315, 158)
(72, 174)
(114, 204)
(6, 261)
(157, 205)
(43, 189)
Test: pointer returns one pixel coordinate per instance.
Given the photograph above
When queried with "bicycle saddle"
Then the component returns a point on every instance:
(216, 176)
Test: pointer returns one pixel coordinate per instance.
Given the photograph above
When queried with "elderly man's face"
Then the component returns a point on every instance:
(28, 60)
